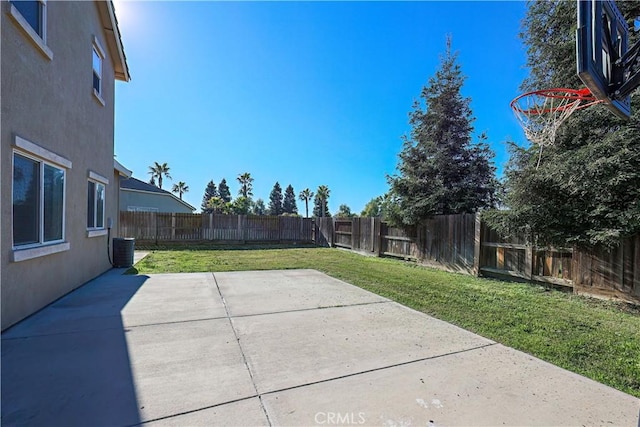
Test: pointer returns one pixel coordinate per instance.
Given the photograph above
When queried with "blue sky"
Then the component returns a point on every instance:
(302, 93)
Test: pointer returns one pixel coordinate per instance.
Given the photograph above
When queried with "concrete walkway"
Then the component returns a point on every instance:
(289, 347)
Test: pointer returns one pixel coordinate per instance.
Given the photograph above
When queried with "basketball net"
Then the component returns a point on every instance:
(542, 112)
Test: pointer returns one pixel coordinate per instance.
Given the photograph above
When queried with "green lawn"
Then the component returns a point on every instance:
(598, 339)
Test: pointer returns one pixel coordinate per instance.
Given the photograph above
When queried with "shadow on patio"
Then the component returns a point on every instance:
(69, 364)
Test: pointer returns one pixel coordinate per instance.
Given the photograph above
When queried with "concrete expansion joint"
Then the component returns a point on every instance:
(382, 368)
(244, 357)
(193, 411)
(173, 322)
(53, 334)
(298, 310)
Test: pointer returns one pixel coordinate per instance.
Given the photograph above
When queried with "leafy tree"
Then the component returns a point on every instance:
(289, 205)
(440, 170)
(275, 200)
(259, 208)
(223, 191)
(373, 208)
(586, 189)
(210, 191)
(306, 195)
(152, 180)
(241, 205)
(246, 184)
(344, 211)
(158, 171)
(218, 206)
(180, 188)
(321, 207)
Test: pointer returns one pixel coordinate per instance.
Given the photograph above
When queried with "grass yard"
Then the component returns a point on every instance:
(598, 339)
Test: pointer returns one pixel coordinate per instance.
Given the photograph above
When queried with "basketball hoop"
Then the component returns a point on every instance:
(542, 112)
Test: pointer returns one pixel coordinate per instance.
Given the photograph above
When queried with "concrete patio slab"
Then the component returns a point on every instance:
(186, 366)
(95, 306)
(247, 412)
(258, 292)
(122, 377)
(491, 386)
(168, 298)
(298, 348)
(291, 349)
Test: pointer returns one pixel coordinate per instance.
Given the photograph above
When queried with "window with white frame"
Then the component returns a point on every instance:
(95, 205)
(38, 201)
(33, 12)
(97, 63)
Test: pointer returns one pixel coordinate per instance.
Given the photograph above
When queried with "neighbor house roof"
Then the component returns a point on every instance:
(134, 184)
(114, 42)
(121, 169)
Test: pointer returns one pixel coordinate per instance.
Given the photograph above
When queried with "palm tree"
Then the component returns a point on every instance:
(306, 195)
(180, 188)
(323, 194)
(158, 171)
(246, 185)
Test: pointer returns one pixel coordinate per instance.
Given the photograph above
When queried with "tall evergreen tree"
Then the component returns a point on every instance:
(289, 204)
(259, 208)
(440, 170)
(275, 200)
(320, 202)
(223, 191)
(586, 189)
(210, 191)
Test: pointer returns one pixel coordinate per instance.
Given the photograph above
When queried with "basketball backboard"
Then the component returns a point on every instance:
(605, 62)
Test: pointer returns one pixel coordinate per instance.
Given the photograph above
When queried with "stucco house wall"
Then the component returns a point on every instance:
(48, 101)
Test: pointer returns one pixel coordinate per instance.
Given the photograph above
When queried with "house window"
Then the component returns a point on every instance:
(97, 61)
(38, 201)
(33, 12)
(95, 205)
(97, 71)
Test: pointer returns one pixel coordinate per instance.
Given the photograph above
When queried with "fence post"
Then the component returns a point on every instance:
(528, 260)
(173, 226)
(354, 234)
(477, 245)
(373, 234)
(155, 216)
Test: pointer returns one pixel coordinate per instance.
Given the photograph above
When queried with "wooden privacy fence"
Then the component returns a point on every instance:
(152, 226)
(461, 243)
(465, 244)
(446, 240)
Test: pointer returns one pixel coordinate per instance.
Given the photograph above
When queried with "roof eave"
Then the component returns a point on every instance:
(121, 169)
(110, 26)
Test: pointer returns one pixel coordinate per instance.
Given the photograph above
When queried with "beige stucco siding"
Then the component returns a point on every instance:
(51, 103)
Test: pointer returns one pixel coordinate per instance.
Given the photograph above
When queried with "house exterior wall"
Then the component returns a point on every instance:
(161, 202)
(50, 102)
